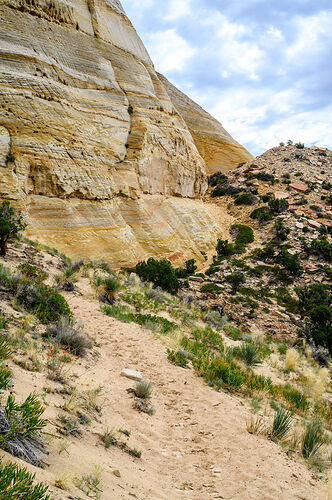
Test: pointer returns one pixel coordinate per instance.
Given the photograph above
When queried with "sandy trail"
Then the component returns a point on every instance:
(196, 445)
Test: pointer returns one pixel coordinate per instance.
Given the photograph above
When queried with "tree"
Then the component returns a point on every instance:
(236, 279)
(11, 222)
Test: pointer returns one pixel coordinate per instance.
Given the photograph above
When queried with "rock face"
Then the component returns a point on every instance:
(216, 146)
(90, 141)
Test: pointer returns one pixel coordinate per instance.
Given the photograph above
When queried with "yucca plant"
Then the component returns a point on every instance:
(17, 482)
(313, 439)
(5, 349)
(255, 425)
(281, 423)
(18, 426)
(5, 377)
(249, 353)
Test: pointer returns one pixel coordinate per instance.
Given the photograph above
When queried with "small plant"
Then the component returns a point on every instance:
(322, 248)
(210, 288)
(188, 269)
(17, 483)
(292, 359)
(11, 223)
(255, 425)
(217, 178)
(245, 199)
(262, 214)
(224, 248)
(178, 358)
(281, 424)
(313, 439)
(18, 426)
(244, 234)
(32, 272)
(236, 280)
(69, 334)
(143, 389)
(249, 353)
(90, 483)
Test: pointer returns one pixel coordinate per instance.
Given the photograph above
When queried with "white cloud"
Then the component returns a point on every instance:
(311, 32)
(178, 9)
(168, 50)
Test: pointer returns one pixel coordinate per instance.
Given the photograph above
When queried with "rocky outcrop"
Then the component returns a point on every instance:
(90, 141)
(216, 146)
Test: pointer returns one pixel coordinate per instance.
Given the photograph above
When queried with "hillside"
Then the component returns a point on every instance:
(91, 144)
(302, 177)
(194, 443)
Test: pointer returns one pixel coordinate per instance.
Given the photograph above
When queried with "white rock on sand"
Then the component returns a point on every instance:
(132, 374)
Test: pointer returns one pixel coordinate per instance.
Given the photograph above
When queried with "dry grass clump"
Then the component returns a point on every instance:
(255, 425)
(71, 335)
(292, 359)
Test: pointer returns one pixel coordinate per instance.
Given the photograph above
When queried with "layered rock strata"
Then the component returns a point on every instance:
(91, 144)
(216, 146)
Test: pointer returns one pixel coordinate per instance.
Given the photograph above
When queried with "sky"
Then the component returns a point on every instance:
(263, 68)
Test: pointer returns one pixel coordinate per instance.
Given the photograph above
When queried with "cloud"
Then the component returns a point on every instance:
(177, 9)
(261, 67)
(168, 50)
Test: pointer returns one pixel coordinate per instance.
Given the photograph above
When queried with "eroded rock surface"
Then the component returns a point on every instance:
(103, 161)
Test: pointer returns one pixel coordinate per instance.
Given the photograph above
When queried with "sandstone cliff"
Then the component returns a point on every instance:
(90, 142)
(216, 146)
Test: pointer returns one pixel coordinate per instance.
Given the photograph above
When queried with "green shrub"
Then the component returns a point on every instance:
(43, 301)
(262, 214)
(290, 263)
(111, 284)
(17, 483)
(313, 439)
(285, 300)
(281, 424)
(160, 273)
(245, 234)
(236, 280)
(5, 378)
(217, 178)
(188, 269)
(313, 295)
(226, 249)
(18, 425)
(124, 314)
(245, 199)
(143, 389)
(281, 231)
(226, 189)
(278, 206)
(11, 223)
(32, 272)
(299, 145)
(295, 398)
(211, 288)
(178, 358)
(322, 248)
(264, 176)
(249, 353)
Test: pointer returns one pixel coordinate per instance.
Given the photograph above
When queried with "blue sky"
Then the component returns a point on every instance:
(261, 67)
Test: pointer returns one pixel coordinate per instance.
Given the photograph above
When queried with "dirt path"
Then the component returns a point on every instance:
(196, 445)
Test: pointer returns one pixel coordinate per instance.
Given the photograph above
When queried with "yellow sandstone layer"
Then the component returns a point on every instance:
(216, 146)
(90, 141)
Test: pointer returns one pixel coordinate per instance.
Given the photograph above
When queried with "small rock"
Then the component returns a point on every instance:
(299, 225)
(198, 279)
(314, 224)
(301, 188)
(117, 473)
(132, 374)
(281, 195)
